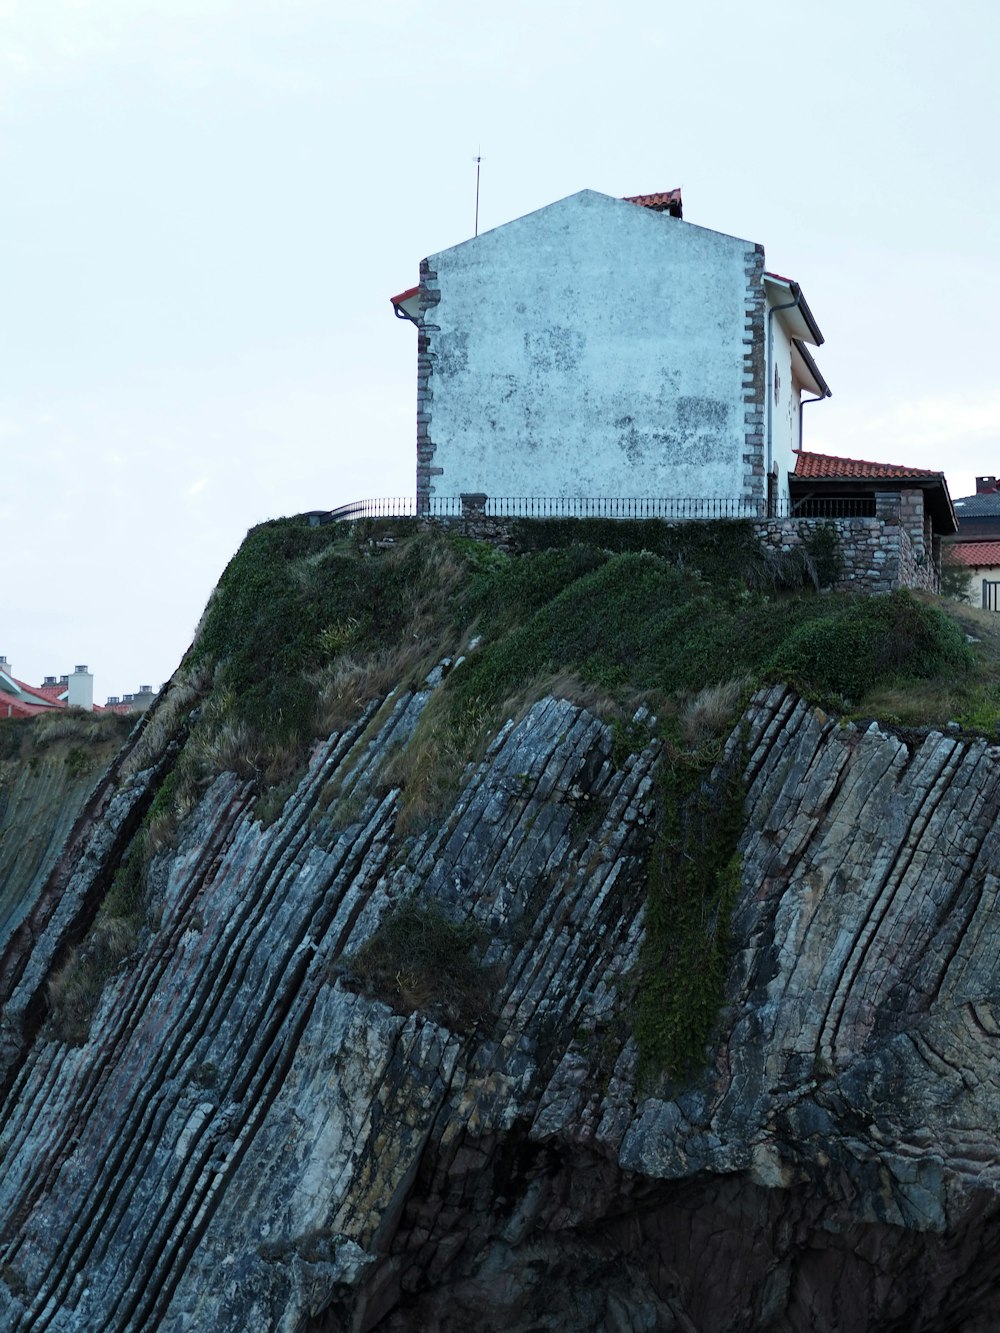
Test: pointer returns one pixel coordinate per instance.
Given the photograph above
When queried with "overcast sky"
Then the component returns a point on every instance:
(206, 205)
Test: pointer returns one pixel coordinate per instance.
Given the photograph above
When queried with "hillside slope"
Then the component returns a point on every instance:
(643, 1018)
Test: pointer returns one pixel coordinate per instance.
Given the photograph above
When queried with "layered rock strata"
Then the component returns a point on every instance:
(246, 1141)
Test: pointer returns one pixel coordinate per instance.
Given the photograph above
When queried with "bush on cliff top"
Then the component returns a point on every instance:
(309, 623)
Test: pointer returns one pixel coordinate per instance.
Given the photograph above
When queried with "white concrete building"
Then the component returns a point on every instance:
(602, 347)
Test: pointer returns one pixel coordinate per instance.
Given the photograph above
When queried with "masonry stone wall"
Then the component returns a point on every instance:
(876, 554)
(868, 548)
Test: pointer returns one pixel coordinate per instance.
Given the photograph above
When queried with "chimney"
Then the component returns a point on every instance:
(986, 485)
(50, 680)
(81, 689)
(6, 667)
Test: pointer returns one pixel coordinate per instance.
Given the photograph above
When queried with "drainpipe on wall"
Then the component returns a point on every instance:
(802, 403)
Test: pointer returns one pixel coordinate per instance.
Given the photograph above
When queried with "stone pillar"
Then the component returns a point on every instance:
(887, 506)
(911, 516)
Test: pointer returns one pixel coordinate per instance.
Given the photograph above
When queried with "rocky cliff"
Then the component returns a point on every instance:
(351, 1073)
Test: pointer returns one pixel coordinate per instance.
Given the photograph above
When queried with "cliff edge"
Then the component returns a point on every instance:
(587, 1027)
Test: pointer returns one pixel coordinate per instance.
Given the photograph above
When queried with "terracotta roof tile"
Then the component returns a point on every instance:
(667, 201)
(824, 467)
(405, 296)
(35, 699)
(979, 555)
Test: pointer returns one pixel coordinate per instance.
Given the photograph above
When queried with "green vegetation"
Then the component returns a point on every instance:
(693, 883)
(86, 741)
(419, 959)
(75, 990)
(310, 624)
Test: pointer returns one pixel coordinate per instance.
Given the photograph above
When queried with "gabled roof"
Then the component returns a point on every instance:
(976, 555)
(827, 468)
(824, 474)
(667, 201)
(19, 699)
(807, 370)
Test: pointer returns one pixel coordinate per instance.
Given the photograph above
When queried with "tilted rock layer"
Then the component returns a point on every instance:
(248, 1142)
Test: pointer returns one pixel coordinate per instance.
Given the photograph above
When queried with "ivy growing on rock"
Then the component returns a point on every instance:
(692, 886)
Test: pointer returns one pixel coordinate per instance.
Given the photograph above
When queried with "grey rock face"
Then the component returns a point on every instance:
(246, 1141)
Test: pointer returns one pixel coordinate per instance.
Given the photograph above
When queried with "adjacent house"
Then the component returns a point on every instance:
(604, 347)
(915, 500)
(976, 551)
(19, 699)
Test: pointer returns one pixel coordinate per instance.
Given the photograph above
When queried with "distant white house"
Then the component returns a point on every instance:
(605, 347)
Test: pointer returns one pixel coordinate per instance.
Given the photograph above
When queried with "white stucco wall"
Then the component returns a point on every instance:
(592, 348)
(784, 405)
(976, 576)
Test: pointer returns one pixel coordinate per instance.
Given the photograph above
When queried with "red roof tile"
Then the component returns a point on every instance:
(980, 555)
(824, 467)
(667, 201)
(35, 699)
(13, 707)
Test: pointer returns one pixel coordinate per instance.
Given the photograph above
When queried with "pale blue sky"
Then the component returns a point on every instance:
(207, 204)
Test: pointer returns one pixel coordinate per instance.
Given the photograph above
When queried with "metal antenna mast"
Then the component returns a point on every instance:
(478, 160)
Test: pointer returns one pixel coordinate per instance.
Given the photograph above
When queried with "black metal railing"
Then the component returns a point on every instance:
(607, 506)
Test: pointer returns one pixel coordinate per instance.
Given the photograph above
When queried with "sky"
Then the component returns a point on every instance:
(206, 204)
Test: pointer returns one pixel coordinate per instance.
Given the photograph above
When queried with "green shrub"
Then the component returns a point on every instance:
(870, 642)
(419, 959)
(822, 544)
(693, 883)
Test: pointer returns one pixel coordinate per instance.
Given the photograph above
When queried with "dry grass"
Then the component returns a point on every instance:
(162, 722)
(595, 698)
(350, 682)
(428, 772)
(712, 710)
(80, 727)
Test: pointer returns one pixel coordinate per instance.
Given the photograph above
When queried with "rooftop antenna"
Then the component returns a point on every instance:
(478, 160)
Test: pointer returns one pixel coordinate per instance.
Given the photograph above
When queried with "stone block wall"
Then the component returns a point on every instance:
(877, 554)
(754, 482)
(869, 548)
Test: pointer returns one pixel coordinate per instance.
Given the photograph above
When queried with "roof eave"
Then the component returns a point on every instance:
(801, 304)
(821, 386)
(935, 487)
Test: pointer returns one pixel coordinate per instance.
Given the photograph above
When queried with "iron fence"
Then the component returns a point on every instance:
(673, 508)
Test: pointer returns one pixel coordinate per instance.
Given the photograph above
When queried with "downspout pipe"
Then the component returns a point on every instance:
(802, 403)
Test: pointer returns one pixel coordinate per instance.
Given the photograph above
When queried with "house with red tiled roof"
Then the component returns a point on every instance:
(916, 500)
(604, 347)
(976, 550)
(18, 699)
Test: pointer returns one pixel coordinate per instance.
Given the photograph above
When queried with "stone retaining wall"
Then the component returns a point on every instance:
(876, 554)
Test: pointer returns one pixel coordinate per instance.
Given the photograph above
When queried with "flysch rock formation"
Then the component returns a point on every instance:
(246, 1141)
